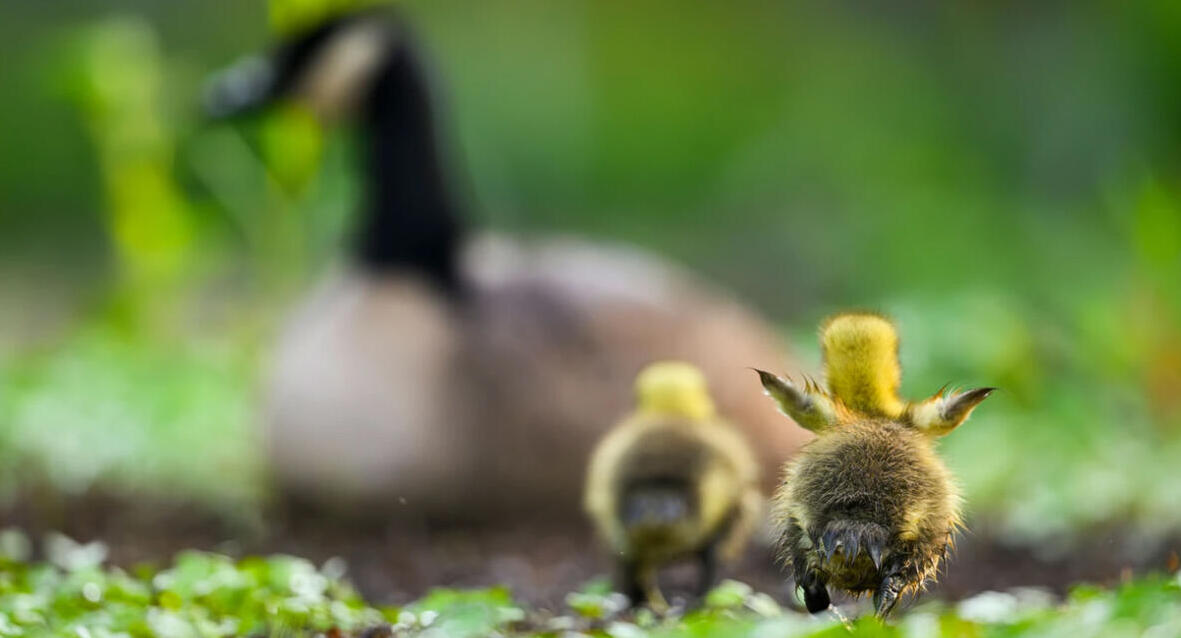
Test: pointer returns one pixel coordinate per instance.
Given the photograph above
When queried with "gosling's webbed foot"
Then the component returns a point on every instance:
(708, 558)
(640, 586)
(816, 597)
(817, 600)
(630, 583)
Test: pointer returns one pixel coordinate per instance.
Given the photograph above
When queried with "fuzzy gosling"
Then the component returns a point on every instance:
(867, 506)
(672, 481)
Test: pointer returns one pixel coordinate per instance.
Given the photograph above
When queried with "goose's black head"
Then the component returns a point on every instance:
(365, 66)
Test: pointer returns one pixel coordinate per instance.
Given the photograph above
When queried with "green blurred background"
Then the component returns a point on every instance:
(1003, 178)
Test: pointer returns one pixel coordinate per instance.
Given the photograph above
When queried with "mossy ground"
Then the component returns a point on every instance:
(202, 595)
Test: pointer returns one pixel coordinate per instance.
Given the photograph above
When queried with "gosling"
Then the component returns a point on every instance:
(868, 506)
(672, 481)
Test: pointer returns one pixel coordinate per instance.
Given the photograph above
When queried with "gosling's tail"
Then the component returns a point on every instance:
(845, 541)
(655, 506)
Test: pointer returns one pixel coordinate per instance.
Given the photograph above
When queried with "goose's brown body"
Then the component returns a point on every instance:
(389, 396)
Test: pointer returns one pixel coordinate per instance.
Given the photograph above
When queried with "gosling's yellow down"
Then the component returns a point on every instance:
(672, 480)
(867, 507)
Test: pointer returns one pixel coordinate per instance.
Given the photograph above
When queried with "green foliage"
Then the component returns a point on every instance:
(287, 16)
(463, 614)
(208, 595)
(117, 410)
(200, 595)
(595, 600)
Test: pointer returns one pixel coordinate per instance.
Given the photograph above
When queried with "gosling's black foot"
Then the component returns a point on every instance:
(708, 557)
(815, 594)
(629, 576)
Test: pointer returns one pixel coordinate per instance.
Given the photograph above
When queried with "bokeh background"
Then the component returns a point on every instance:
(1003, 178)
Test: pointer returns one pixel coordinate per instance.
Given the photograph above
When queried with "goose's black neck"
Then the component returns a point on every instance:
(410, 219)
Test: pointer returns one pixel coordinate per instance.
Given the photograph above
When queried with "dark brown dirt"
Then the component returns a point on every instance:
(396, 562)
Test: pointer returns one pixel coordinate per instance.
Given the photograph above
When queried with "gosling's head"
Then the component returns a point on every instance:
(673, 389)
(863, 376)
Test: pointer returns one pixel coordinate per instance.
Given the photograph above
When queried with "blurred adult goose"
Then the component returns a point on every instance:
(453, 375)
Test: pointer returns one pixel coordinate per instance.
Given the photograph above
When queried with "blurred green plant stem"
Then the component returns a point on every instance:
(118, 85)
